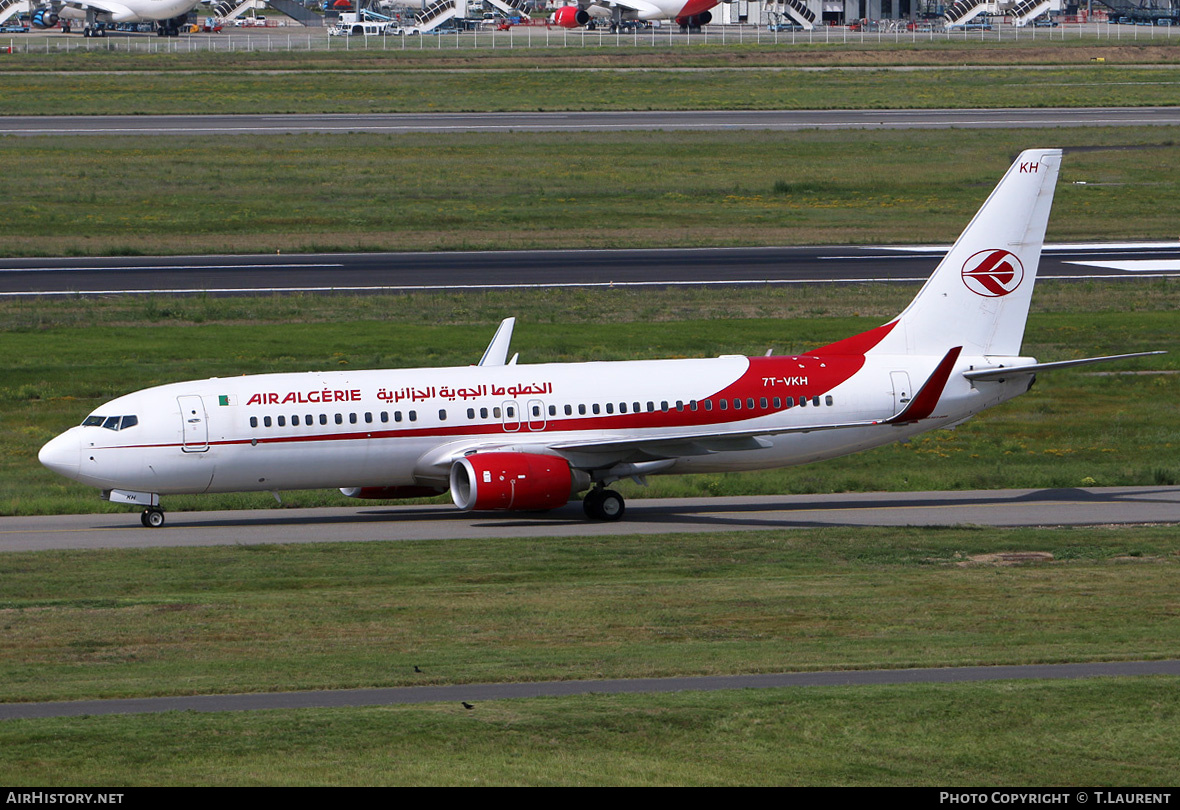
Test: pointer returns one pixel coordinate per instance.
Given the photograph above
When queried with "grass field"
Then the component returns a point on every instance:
(1080, 734)
(261, 618)
(1035, 73)
(400, 90)
(153, 195)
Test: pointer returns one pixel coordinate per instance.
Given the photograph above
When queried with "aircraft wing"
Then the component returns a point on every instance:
(635, 5)
(1013, 371)
(690, 444)
(600, 452)
(104, 6)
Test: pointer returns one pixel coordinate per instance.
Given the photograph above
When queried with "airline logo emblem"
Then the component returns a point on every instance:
(993, 273)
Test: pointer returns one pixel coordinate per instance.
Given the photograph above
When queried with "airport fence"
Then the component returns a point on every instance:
(524, 37)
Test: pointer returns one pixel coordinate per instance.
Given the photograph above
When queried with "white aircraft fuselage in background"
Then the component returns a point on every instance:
(506, 436)
(167, 13)
(689, 14)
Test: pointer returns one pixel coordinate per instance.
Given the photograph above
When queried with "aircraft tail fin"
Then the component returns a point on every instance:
(979, 295)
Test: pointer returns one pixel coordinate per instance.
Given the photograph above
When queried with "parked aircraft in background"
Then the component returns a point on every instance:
(168, 15)
(500, 435)
(690, 15)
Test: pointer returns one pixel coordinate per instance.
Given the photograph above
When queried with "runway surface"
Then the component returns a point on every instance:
(706, 120)
(403, 272)
(475, 693)
(377, 522)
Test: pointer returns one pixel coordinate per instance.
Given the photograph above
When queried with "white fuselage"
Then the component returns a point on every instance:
(387, 428)
(137, 11)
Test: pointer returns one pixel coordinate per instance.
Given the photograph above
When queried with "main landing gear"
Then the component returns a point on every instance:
(603, 504)
(152, 518)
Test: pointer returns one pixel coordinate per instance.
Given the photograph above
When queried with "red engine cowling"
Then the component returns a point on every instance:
(695, 21)
(571, 17)
(511, 481)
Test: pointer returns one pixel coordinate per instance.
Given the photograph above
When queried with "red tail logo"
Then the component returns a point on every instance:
(993, 273)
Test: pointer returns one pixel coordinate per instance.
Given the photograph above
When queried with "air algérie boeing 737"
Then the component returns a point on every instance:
(502, 435)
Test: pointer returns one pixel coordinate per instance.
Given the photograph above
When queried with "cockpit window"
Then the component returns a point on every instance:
(111, 422)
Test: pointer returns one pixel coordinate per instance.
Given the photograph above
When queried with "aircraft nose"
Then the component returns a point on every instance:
(62, 454)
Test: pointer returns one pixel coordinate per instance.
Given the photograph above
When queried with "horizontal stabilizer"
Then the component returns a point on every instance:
(1012, 371)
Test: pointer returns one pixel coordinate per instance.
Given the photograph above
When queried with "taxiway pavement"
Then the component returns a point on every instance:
(381, 522)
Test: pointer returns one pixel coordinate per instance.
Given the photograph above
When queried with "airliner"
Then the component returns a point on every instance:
(502, 435)
(168, 15)
(690, 15)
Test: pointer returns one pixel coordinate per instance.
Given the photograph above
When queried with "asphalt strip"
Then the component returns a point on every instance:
(475, 693)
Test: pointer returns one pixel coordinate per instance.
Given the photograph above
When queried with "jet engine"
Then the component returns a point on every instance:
(390, 493)
(507, 480)
(571, 17)
(44, 17)
(695, 21)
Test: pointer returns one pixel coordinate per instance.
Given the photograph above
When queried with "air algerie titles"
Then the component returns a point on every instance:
(324, 395)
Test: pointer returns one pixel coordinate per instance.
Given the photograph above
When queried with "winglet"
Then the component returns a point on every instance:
(497, 351)
(925, 401)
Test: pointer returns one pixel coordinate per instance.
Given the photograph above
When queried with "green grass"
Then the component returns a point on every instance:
(1078, 734)
(400, 90)
(261, 618)
(310, 193)
(177, 621)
